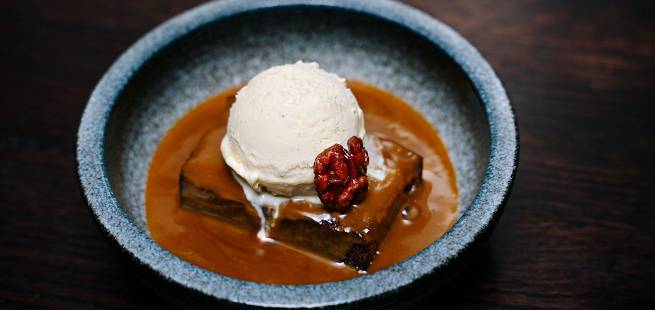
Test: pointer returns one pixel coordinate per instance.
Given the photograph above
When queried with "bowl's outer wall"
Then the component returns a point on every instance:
(217, 46)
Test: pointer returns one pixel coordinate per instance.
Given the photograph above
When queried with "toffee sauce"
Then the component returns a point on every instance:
(231, 251)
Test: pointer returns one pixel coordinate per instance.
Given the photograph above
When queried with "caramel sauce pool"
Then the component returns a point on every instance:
(228, 250)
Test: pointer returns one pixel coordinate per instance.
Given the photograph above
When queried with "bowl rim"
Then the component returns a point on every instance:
(478, 218)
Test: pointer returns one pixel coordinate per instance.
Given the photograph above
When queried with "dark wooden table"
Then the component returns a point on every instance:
(579, 229)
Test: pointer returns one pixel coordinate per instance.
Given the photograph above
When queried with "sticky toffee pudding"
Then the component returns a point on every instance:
(198, 208)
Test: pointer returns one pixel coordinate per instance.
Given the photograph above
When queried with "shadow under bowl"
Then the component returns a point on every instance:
(222, 44)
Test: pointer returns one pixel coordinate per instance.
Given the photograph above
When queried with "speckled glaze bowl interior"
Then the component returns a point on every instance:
(223, 44)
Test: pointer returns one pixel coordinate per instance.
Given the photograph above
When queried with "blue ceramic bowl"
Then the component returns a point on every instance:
(222, 44)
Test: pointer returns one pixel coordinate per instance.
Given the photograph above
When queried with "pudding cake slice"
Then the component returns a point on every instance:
(352, 237)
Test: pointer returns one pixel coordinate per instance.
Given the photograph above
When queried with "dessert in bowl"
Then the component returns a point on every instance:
(168, 102)
(290, 171)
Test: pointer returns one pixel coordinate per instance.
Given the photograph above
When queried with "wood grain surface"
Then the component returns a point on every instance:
(579, 229)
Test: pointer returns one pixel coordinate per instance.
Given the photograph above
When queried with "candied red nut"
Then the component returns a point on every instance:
(340, 175)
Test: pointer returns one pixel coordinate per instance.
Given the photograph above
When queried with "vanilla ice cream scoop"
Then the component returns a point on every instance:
(281, 120)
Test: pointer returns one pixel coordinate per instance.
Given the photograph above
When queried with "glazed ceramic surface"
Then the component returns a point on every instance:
(222, 44)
